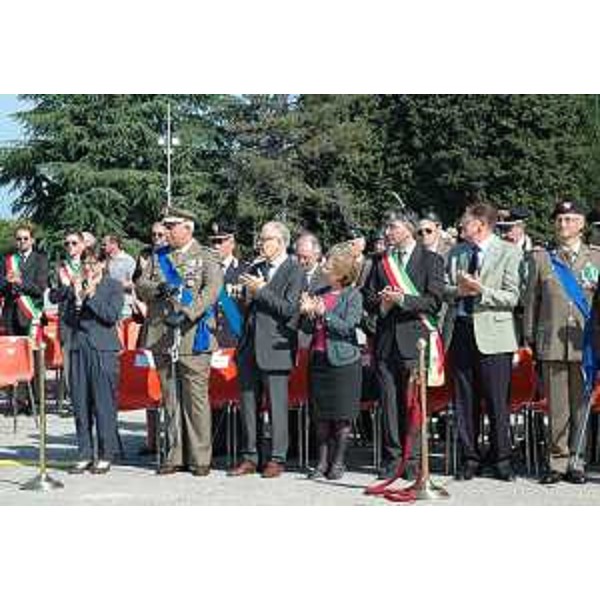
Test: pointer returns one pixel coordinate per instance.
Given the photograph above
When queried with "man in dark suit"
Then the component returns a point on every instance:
(223, 242)
(23, 281)
(400, 324)
(266, 352)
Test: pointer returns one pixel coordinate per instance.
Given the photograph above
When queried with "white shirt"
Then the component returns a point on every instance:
(276, 263)
(227, 262)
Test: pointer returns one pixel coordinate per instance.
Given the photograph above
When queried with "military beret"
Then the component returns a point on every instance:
(178, 215)
(567, 207)
(221, 231)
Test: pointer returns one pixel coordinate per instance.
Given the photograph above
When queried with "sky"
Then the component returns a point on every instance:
(9, 132)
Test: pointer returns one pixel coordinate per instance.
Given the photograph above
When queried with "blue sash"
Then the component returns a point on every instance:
(230, 309)
(575, 293)
(186, 298)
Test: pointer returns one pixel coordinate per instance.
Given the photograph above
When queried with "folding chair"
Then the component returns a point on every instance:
(224, 394)
(17, 366)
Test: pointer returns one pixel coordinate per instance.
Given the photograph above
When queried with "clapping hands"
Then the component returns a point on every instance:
(312, 306)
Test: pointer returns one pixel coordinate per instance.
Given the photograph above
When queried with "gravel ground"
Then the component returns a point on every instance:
(134, 482)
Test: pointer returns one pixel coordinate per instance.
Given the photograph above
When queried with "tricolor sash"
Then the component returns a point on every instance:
(26, 304)
(575, 293)
(399, 279)
(68, 271)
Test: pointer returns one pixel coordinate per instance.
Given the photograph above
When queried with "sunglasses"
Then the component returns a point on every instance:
(425, 231)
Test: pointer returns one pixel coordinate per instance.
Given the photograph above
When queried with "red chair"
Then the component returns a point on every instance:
(224, 393)
(17, 366)
(139, 383)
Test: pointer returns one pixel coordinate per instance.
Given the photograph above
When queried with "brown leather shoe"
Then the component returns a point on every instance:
(200, 471)
(273, 469)
(246, 467)
(169, 469)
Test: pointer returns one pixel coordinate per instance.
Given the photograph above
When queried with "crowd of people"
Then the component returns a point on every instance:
(476, 293)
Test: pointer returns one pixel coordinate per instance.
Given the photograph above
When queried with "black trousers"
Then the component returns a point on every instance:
(480, 377)
(394, 377)
(253, 383)
(93, 387)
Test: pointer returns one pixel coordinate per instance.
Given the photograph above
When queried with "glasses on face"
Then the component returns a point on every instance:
(425, 231)
(265, 239)
(22, 239)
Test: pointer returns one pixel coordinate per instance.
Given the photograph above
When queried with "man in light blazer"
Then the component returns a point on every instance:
(267, 348)
(482, 291)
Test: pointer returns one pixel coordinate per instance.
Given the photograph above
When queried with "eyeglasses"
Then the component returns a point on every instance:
(71, 242)
(22, 239)
(267, 238)
(425, 231)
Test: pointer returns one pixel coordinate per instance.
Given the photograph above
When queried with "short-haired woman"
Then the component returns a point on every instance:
(332, 317)
(93, 307)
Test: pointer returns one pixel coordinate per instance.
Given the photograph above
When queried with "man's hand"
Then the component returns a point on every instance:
(253, 283)
(468, 285)
(390, 297)
(14, 278)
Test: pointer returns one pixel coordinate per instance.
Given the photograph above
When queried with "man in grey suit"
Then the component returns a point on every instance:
(267, 348)
(479, 330)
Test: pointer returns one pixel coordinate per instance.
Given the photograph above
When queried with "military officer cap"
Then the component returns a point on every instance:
(405, 215)
(431, 215)
(567, 207)
(355, 233)
(379, 234)
(176, 215)
(512, 216)
(221, 231)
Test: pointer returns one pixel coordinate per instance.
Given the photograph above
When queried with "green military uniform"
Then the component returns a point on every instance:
(554, 327)
(188, 423)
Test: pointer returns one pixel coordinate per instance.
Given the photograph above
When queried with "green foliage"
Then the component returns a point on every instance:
(320, 162)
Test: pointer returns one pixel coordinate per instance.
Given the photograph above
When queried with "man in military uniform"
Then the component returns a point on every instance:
(229, 317)
(554, 326)
(180, 285)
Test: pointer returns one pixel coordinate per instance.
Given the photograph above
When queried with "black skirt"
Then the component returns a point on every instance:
(335, 391)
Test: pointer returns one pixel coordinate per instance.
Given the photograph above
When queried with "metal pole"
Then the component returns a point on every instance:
(169, 150)
(42, 481)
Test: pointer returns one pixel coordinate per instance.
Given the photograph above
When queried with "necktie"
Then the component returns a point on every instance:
(264, 269)
(469, 301)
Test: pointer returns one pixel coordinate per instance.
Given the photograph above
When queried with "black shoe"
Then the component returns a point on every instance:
(80, 467)
(551, 477)
(468, 471)
(101, 467)
(318, 472)
(504, 474)
(575, 476)
(336, 471)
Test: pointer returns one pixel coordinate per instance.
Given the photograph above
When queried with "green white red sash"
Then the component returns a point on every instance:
(28, 307)
(68, 271)
(398, 278)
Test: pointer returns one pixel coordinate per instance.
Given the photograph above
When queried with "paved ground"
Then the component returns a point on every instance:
(135, 483)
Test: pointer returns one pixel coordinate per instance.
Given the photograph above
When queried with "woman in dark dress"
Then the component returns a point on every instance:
(332, 317)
